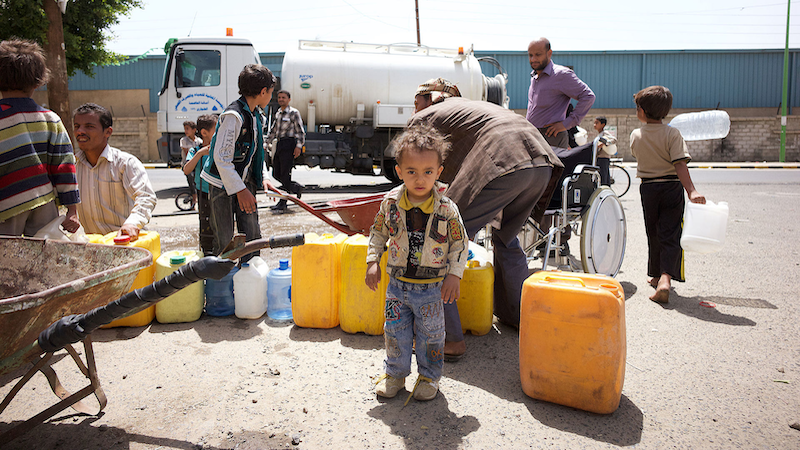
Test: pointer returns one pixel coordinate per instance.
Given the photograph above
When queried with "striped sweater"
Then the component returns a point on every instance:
(36, 160)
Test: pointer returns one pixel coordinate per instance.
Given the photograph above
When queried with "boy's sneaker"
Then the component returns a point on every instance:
(425, 388)
(389, 386)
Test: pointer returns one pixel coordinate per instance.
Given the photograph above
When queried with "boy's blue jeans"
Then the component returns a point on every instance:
(224, 209)
(414, 310)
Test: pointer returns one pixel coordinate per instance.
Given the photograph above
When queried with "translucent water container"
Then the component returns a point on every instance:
(572, 342)
(279, 292)
(360, 308)
(316, 281)
(250, 286)
(185, 305)
(698, 126)
(476, 303)
(219, 295)
(151, 241)
(704, 226)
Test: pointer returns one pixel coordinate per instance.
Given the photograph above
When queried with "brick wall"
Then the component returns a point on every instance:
(131, 135)
(751, 139)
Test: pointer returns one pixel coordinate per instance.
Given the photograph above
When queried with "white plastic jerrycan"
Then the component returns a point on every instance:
(704, 226)
(250, 286)
(54, 231)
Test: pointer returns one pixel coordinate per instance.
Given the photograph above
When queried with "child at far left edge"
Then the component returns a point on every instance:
(427, 245)
(37, 164)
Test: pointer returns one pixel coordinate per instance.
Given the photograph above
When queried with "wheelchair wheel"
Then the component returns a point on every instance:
(184, 201)
(620, 179)
(604, 234)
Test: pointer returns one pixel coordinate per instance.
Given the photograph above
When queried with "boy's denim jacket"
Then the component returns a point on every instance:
(446, 243)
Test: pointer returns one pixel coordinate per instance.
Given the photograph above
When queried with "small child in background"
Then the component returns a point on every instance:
(427, 256)
(606, 148)
(188, 142)
(195, 159)
(37, 164)
(662, 156)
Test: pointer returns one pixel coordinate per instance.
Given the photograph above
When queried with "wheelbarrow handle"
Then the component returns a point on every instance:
(239, 249)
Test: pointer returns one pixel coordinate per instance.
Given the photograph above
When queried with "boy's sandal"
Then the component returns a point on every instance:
(451, 357)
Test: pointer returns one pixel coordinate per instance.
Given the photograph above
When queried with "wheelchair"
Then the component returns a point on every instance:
(592, 211)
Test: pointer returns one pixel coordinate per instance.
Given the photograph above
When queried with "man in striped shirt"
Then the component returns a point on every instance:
(117, 195)
(288, 129)
(37, 166)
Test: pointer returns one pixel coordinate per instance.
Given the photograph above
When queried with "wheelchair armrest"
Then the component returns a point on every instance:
(580, 168)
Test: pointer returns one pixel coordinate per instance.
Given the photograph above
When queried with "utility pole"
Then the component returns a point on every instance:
(784, 98)
(416, 6)
(58, 86)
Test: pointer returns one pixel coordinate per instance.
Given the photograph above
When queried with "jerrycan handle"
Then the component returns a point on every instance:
(572, 280)
(611, 288)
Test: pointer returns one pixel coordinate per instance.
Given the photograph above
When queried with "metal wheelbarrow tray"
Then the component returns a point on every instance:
(358, 214)
(42, 281)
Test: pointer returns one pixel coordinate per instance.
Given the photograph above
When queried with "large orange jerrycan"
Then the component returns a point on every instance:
(316, 280)
(149, 240)
(572, 340)
(360, 308)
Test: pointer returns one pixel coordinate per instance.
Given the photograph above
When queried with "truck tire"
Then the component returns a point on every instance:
(389, 172)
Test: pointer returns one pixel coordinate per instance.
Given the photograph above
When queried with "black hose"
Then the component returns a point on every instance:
(75, 328)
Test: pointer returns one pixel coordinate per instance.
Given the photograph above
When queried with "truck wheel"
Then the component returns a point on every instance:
(389, 172)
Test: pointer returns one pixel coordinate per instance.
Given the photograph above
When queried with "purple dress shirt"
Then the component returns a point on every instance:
(550, 93)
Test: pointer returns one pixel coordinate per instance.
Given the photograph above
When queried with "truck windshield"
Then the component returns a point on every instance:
(199, 68)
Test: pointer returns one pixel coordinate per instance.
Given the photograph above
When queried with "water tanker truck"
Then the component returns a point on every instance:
(353, 98)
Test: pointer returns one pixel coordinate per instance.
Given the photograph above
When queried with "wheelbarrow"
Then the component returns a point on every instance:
(52, 295)
(358, 214)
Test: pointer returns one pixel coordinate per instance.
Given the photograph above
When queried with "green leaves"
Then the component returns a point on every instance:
(86, 25)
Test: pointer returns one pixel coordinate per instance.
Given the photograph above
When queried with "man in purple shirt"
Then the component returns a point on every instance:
(552, 87)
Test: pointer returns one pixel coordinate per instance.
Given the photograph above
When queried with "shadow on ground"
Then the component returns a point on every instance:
(428, 424)
(82, 434)
(623, 427)
(703, 308)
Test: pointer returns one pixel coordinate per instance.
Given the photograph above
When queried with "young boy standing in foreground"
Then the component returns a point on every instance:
(662, 156)
(427, 256)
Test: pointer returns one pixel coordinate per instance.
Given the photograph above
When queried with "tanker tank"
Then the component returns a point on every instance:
(354, 98)
(336, 78)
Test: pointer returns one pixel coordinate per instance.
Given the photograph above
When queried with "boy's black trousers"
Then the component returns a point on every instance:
(663, 203)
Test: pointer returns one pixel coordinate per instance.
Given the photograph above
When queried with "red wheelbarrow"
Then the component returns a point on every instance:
(358, 214)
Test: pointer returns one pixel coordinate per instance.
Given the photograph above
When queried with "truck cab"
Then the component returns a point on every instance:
(200, 77)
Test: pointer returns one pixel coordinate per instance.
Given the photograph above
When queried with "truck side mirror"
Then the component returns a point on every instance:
(179, 58)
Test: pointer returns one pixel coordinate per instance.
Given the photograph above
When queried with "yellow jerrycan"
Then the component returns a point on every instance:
(360, 308)
(476, 303)
(185, 305)
(316, 280)
(149, 240)
(572, 340)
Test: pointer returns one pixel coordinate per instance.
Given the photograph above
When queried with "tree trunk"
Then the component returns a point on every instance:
(58, 86)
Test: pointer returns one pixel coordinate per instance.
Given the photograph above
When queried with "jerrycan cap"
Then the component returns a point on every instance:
(246, 264)
(177, 259)
(122, 240)
(470, 255)
(284, 264)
